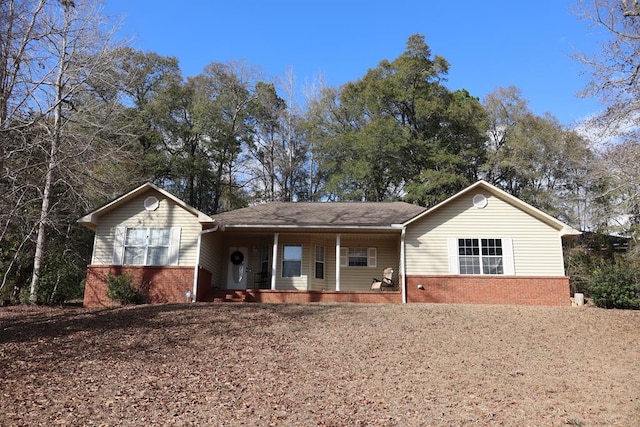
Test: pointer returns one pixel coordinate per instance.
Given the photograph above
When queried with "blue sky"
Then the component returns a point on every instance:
(489, 44)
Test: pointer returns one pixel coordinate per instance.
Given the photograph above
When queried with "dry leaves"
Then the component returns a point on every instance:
(319, 365)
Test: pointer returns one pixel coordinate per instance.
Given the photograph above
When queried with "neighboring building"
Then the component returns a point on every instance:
(482, 245)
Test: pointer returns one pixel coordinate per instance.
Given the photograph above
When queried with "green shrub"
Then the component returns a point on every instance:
(615, 286)
(120, 289)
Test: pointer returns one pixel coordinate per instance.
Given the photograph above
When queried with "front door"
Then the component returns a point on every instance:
(238, 268)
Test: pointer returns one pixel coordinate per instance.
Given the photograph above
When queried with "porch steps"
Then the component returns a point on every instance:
(228, 295)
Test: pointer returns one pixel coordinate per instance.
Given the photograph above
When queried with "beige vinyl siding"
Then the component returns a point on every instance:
(537, 247)
(133, 214)
(210, 258)
(360, 278)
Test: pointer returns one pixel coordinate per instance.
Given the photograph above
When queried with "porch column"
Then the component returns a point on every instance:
(337, 262)
(274, 262)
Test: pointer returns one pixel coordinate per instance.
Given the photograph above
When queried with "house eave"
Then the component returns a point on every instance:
(564, 229)
(393, 228)
(90, 220)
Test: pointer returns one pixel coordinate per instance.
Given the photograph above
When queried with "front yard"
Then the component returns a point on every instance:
(320, 365)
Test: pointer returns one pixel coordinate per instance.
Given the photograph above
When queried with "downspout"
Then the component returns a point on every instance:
(402, 267)
(274, 262)
(337, 262)
(196, 271)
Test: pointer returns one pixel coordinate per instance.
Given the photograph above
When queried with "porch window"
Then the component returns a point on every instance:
(264, 261)
(319, 271)
(358, 257)
(146, 246)
(481, 256)
(292, 261)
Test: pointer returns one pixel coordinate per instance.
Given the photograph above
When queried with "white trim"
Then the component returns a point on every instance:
(372, 257)
(561, 227)
(174, 246)
(274, 262)
(118, 245)
(316, 262)
(91, 219)
(403, 283)
(338, 261)
(151, 203)
(454, 261)
(196, 268)
(392, 227)
(508, 264)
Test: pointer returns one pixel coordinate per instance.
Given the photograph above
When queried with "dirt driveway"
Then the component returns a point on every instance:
(320, 365)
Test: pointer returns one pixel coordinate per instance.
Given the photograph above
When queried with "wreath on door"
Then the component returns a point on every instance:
(237, 258)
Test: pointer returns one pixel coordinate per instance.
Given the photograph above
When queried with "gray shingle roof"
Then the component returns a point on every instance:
(321, 214)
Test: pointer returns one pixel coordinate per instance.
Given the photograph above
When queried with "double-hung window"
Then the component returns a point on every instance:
(146, 246)
(481, 256)
(319, 261)
(358, 257)
(292, 261)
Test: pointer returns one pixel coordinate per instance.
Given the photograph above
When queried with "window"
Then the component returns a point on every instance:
(482, 256)
(292, 261)
(492, 256)
(469, 256)
(146, 246)
(358, 257)
(319, 271)
(264, 261)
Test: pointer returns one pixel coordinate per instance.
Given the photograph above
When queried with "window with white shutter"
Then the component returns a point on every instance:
(146, 246)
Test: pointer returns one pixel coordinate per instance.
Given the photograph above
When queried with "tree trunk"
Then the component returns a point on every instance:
(53, 160)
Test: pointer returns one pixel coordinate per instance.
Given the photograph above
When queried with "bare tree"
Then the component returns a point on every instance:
(55, 125)
(615, 69)
(615, 78)
(77, 52)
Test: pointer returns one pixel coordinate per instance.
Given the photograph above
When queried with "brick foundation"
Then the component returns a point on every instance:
(166, 284)
(268, 296)
(489, 290)
(169, 285)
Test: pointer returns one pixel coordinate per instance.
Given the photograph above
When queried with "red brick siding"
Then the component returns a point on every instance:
(489, 290)
(204, 283)
(323, 296)
(158, 284)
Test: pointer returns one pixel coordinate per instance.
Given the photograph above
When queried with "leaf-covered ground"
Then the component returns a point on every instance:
(320, 365)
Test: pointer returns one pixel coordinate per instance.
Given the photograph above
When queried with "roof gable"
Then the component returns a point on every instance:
(91, 219)
(564, 229)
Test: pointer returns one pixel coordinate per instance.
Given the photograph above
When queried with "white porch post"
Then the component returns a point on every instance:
(196, 269)
(274, 262)
(403, 283)
(337, 262)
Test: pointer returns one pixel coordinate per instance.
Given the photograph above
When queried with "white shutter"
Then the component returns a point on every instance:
(372, 255)
(344, 259)
(174, 246)
(452, 247)
(118, 245)
(507, 257)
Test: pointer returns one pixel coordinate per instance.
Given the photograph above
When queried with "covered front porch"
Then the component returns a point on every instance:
(298, 265)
